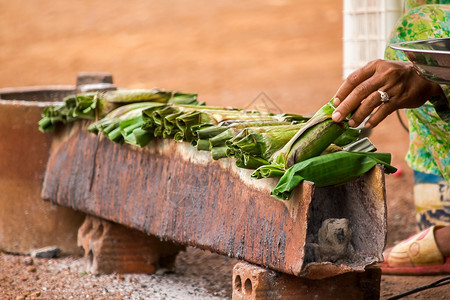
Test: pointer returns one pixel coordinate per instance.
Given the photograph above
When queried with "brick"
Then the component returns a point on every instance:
(252, 282)
(113, 248)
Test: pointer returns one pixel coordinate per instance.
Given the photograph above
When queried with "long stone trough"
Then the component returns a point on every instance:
(174, 192)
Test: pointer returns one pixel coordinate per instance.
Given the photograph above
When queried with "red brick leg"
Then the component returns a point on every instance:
(253, 282)
(113, 248)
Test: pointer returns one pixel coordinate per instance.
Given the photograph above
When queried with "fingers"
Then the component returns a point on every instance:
(354, 80)
(372, 104)
(358, 86)
(361, 100)
(359, 95)
(366, 107)
(384, 110)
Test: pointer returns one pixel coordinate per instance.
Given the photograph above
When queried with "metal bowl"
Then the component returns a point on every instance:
(431, 58)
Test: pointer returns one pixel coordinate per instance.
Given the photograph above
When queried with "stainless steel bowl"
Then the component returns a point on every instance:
(431, 58)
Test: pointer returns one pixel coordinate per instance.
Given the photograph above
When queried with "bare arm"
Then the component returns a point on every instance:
(359, 94)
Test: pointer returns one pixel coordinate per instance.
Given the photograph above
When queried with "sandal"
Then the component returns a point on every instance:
(417, 255)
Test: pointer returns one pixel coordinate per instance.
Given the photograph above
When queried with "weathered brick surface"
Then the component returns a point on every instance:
(177, 193)
(252, 282)
(113, 248)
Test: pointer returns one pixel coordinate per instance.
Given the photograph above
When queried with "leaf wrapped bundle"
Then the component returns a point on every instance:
(217, 144)
(169, 125)
(53, 115)
(186, 121)
(293, 118)
(213, 117)
(173, 121)
(207, 136)
(94, 105)
(349, 136)
(262, 141)
(122, 124)
(268, 170)
(253, 147)
(85, 106)
(157, 118)
(184, 98)
(195, 117)
(330, 169)
(312, 139)
(136, 95)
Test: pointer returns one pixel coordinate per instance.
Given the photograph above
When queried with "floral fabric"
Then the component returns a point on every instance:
(429, 127)
(410, 4)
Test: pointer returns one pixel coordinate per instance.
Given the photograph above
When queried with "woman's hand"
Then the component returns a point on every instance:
(359, 92)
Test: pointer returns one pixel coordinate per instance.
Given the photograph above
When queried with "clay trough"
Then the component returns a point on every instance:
(172, 191)
(26, 221)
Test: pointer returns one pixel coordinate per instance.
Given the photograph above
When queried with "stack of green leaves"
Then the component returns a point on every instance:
(206, 127)
(289, 146)
(124, 124)
(75, 107)
(254, 146)
(95, 105)
(324, 152)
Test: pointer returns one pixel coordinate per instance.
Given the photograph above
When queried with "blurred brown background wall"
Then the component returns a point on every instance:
(227, 51)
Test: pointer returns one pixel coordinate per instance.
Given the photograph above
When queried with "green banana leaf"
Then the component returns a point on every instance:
(312, 139)
(185, 121)
(202, 144)
(170, 127)
(95, 105)
(184, 98)
(349, 136)
(330, 169)
(218, 152)
(113, 119)
(209, 131)
(263, 141)
(224, 136)
(75, 107)
(250, 162)
(136, 95)
(132, 132)
(268, 171)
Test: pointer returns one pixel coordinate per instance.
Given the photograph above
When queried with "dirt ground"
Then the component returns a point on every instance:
(228, 52)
